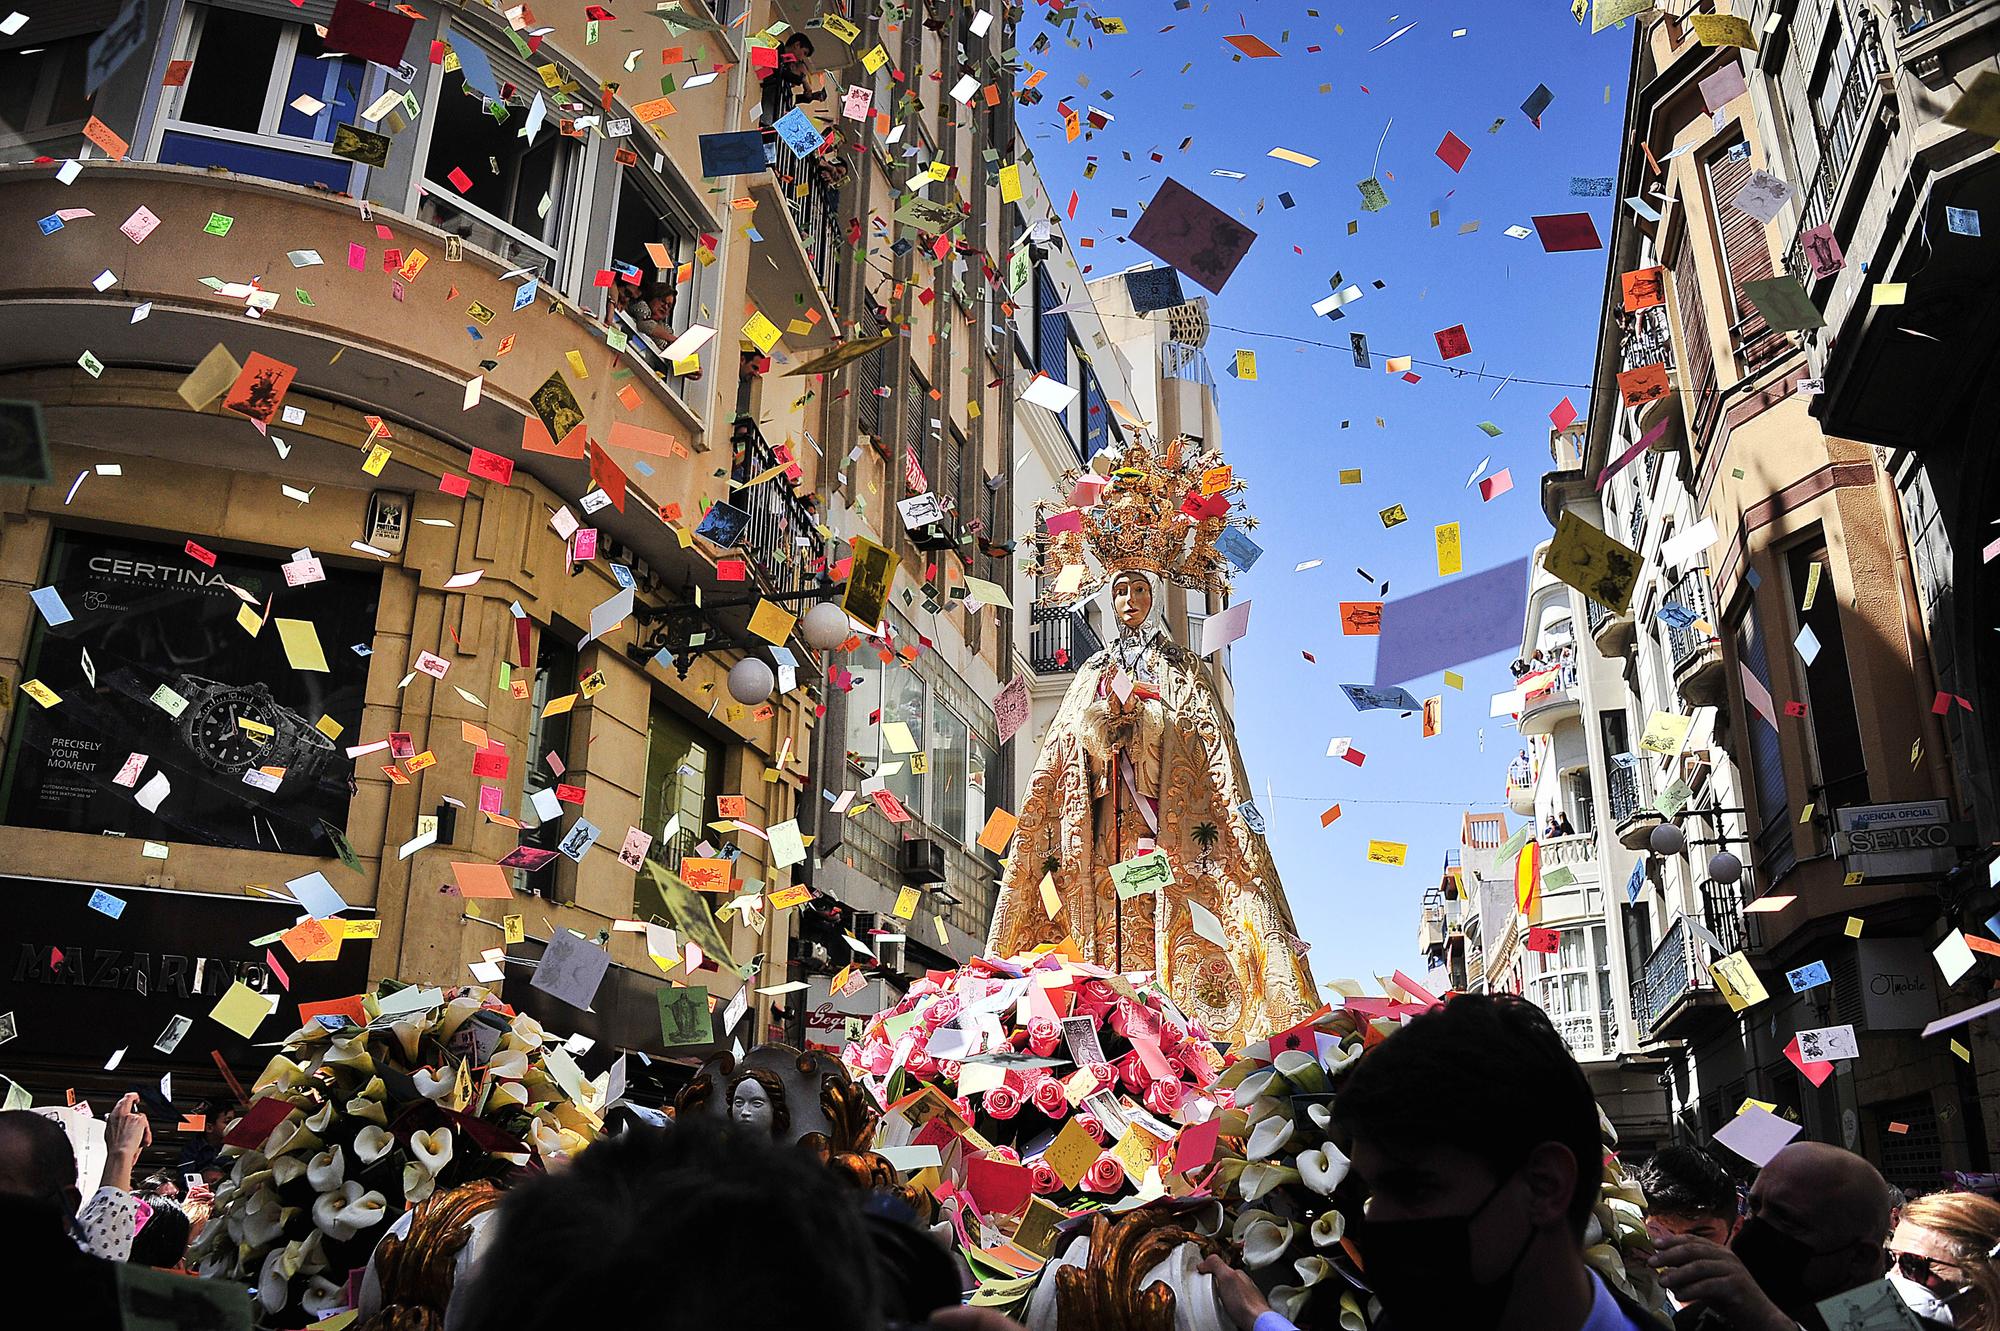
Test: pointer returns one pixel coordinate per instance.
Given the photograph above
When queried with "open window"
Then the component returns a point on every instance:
(262, 98)
(652, 246)
(488, 185)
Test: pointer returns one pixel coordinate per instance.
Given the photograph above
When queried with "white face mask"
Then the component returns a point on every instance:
(1921, 1300)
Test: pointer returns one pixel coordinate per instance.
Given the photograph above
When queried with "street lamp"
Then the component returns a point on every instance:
(683, 630)
(825, 626)
(1723, 866)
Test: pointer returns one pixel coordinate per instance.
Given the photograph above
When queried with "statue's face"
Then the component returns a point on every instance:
(1131, 600)
(750, 1106)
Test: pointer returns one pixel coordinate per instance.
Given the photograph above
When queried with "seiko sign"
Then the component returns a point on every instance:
(1894, 840)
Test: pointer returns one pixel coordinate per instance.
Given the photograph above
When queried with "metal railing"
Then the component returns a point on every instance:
(1596, 615)
(1060, 641)
(1916, 15)
(1691, 594)
(813, 205)
(1628, 792)
(1179, 360)
(781, 541)
(1635, 521)
(1673, 971)
(1838, 140)
(1722, 915)
(1648, 341)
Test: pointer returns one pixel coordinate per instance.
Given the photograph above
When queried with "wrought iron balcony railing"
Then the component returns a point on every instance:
(1839, 139)
(1691, 594)
(781, 541)
(1673, 971)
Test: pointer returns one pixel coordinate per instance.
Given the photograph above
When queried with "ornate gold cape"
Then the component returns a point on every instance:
(1256, 985)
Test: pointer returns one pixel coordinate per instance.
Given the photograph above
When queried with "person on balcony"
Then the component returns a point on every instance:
(1563, 827)
(791, 72)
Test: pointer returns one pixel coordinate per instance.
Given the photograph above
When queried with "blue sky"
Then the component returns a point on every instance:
(1527, 313)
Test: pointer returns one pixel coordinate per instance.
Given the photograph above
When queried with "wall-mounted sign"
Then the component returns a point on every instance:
(176, 721)
(1898, 840)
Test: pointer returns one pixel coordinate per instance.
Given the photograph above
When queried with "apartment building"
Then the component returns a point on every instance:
(1776, 644)
(516, 231)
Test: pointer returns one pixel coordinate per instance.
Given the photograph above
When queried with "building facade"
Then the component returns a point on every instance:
(401, 542)
(1776, 700)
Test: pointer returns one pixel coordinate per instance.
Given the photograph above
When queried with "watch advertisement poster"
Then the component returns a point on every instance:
(158, 664)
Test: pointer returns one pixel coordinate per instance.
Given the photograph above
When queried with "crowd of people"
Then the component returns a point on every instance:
(1474, 1139)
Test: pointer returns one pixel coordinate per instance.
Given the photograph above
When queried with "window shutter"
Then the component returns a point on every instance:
(1767, 760)
(1697, 352)
(1745, 252)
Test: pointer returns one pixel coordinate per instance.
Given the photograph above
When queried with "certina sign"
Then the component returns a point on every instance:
(1887, 840)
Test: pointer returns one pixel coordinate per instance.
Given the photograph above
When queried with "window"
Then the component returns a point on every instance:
(1567, 988)
(650, 245)
(683, 775)
(1099, 428)
(1746, 252)
(42, 105)
(1697, 352)
(903, 700)
(231, 113)
(1829, 691)
(1775, 854)
(510, 207)
(1829, 78)
(871, 379)
(1052, 336)
(556, 671)
(863, 737)
(947, 764)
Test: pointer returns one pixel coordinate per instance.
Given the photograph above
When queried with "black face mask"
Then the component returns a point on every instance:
(1777, 1262)
(1422, 1272)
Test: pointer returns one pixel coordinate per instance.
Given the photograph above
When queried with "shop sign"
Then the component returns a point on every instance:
(185, 714)
(1898, 985)
(832, 1019)
(82, 983)
(1899, 840)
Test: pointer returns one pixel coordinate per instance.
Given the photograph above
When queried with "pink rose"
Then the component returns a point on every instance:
(876, 1056)
(1094, 998)
(963, 1104)
(948, 1070)
(1044, 1182)
(1105, 1175)
(1132, 1071)
(1007, 1153)
(1164, 1097)
(942, 1011)
(1093, 1127)
(1049, 1097)
(1106, 1075)
(1003, 1102)
(1043, 1036)
(921, 1065)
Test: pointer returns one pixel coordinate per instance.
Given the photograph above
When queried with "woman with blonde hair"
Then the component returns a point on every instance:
(1942, 1259)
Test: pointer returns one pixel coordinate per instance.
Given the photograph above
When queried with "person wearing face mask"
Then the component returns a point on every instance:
(1941, 1260)
(1476, 1136)
(1817, 1220)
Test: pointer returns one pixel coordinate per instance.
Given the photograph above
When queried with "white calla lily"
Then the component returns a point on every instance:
(273, 1287)
(432, 1148)
(327, 1170)
(1323, 1168)
(1260, 1178)
(322, 1296)
(1256, 1084)
(434, 1085)
(510, 1065)
(418, 1182)
(1269, 1137)
(372, 1143)
(1302, 1070)
(1265, 1240)
(1312, 1269)
(286, 1168)
(1329, 1229)
(1289, 1300)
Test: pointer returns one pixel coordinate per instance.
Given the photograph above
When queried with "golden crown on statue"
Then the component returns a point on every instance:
(1159, 512)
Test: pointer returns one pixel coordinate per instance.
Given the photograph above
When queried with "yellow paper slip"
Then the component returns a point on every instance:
(301, 642)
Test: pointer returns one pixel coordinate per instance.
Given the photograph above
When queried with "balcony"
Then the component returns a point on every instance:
(1555, 704)
(1521, 797)
(1612, 630)
(404, 360)
(1722, 915)
(1060, 641)
(1635, 516)
(1633, 816)
(1178, 360)
(1674, 997)
(1692, 646)
(802, 245)
(1839, 141)
(1577, 853)
(781, 542)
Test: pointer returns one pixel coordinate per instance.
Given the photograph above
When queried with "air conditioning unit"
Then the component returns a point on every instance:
(891, 955)
(921, 860)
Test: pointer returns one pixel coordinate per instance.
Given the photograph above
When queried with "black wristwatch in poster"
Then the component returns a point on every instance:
(210, 728)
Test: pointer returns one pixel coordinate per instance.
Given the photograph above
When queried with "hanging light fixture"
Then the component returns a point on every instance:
(751, 680)
(825, 626)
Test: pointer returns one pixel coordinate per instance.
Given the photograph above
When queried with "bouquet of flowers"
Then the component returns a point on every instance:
(1043, 1078)
(353, 1122)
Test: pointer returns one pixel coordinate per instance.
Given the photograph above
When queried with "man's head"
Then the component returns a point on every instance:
(1473, 1129)
(36, 1160)
(1687, 1192)
(1817, 1221)
(798, 45)
(683, 1223)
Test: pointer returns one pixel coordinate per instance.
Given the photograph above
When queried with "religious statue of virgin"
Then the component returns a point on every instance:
(1139, 839)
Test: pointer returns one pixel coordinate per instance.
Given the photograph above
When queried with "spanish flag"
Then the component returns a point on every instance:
(1528, 877)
